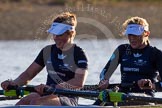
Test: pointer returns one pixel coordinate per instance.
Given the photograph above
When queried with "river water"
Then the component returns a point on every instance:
(16, 56)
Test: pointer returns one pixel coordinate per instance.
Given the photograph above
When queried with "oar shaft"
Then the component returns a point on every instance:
(8, 98)
(90, 87)
(15, 90)
(21, 91)
(145, 99)
(80, 93)
(96, 87)
(108, 95)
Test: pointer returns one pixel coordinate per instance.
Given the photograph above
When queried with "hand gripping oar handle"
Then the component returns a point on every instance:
(17, 91)
(106, 95)
(21, 91)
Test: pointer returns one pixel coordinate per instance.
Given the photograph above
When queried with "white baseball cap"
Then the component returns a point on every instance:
(60, 28)
(135, 29)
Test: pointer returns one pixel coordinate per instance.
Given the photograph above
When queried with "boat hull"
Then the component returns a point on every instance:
(87, 106)
(33, 106)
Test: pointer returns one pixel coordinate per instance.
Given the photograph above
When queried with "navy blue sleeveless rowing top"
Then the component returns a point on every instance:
(135, 64)
(61, 65)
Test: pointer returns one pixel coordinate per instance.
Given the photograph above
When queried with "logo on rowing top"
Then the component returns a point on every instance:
(140, 62)
(61, 56)
(137, 55)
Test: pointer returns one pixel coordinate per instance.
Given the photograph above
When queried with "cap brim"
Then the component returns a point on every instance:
(59, 28)
(134, 29)
(134, 32)
(57, 31)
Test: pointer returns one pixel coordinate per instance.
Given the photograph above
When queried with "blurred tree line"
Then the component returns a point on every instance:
(74, 2)
(29, 19)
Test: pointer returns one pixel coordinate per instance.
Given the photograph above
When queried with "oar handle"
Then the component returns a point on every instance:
(106, 95)
(9, 98)
(17, 91)
(27, 88)
(90, 87)
(21, 91)
(12, 87)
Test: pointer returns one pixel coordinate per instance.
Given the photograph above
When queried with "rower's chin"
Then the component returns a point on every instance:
(60, 45)
(134, 46)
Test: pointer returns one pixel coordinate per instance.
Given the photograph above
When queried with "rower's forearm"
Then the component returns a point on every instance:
(23, 79)
(71, 84)
(77, 82)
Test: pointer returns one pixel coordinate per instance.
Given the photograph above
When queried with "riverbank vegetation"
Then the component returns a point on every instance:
(29, 19)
